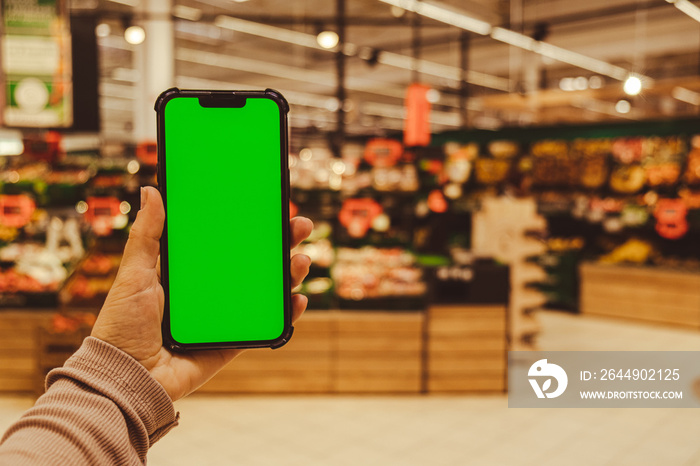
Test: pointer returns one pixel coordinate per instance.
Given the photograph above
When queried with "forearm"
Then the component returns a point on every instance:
(101, 407)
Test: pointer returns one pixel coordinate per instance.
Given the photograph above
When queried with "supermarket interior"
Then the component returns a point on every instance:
(484, 176)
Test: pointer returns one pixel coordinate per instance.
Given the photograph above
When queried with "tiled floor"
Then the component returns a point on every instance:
(437, 430)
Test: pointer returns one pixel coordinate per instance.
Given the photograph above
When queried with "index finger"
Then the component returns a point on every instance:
(300, 228)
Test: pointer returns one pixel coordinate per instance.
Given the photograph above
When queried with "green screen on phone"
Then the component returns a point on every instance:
(223, 192)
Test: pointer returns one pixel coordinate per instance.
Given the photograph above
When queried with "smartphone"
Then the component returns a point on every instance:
(224, 177)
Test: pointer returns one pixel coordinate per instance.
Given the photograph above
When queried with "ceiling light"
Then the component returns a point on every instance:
(566, 84)
(135, 35)
(580, 83)
(186, 12)
(623, 106)
(443, 14)
(131, 3)
(687, 7)
(455, 18)
(581, 61)
(397, 12)
(385, 58)
(595, 82)
(263, 30)
(432, 96)
(332, 104)
(240, 1)
(685, 95)
(513, 38)
(103, 30)
(327, 39)
(632, 86)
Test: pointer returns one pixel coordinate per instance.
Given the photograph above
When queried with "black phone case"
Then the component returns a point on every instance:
(225, 98)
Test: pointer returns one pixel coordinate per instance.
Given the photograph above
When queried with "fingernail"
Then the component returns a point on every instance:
(144, 196)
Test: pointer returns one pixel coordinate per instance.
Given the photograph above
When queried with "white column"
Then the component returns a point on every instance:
(154, 60)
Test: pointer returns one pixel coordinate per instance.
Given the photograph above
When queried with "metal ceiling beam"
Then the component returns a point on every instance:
(320, 78)
(452, 17)
(386, 58)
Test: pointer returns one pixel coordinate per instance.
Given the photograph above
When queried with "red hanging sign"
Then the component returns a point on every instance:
(671, 220)
(101, 212)
(383, 153)
(417, 125)
(357, 215)
(147, 153)
(16, 210)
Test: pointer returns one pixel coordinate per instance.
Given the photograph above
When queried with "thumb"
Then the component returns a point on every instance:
(143, 247)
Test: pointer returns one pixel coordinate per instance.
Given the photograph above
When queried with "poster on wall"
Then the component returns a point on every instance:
(36, 64)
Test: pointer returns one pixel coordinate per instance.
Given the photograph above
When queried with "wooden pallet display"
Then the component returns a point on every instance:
(18, 343)
(641, 293)
(304, 365)
(466, 348)
(379, 352)
(53, 349)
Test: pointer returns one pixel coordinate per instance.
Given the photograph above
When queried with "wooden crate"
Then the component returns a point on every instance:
(334, 352)
(18, 345)
(379, 352)
(52, 350)
(331, 352)
(641, 293)
(304, 365)
(466, 348)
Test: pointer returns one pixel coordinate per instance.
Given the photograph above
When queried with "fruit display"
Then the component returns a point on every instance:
(12, 281)
(51, 210)
(491, 171)
(7, 234)
(100, 264)
(591, 156)
(370, 272)
(552, 164)
(91, 281)
(83, 288)
(375, 202)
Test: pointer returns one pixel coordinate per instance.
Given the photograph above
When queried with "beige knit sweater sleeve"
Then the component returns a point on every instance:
(102, 407)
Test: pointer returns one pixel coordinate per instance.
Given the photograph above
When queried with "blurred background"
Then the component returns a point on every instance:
(484, 176)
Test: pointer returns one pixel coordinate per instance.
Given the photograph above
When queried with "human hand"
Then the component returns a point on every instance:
(131, 316)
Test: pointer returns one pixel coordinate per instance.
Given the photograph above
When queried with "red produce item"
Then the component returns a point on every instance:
(436, 201)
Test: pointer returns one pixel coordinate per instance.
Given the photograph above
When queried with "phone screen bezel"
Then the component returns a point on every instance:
(230, 99)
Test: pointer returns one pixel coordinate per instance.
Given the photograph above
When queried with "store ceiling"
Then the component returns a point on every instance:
(648, 37)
